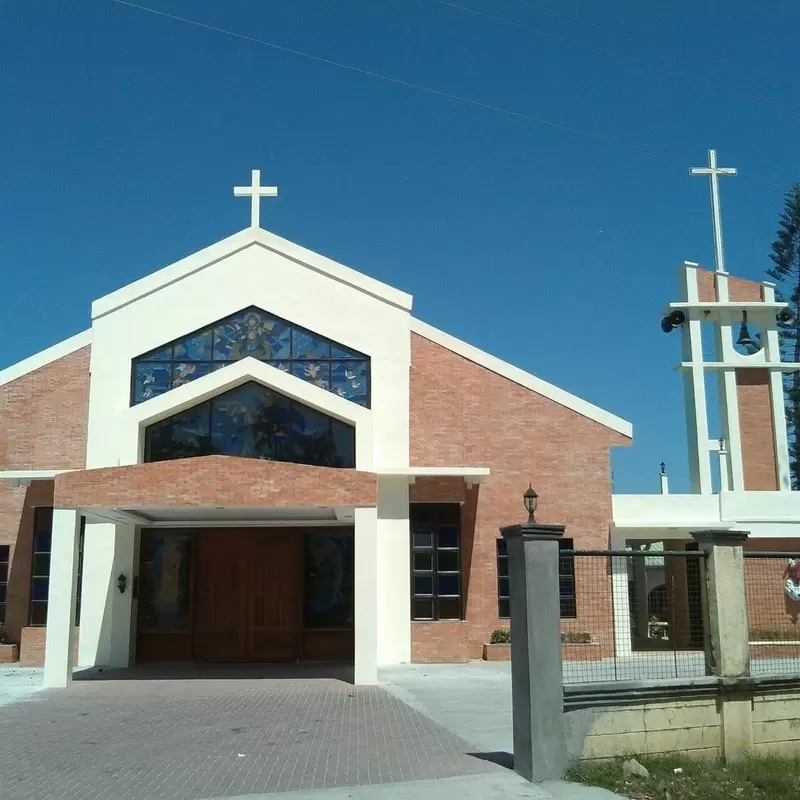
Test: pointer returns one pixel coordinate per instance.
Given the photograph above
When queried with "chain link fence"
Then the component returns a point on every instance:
(636, 615)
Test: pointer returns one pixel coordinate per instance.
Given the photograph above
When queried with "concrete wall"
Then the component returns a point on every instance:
(692, 727)
(776, 724)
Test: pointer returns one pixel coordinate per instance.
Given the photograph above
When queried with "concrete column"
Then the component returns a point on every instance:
(60, 634)
(394, 565)
(621, 605)
(536, 679)
(729, 633)
(122, 603)
(366, 596)
(641, 615)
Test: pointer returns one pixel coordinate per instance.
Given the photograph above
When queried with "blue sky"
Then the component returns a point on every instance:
(123, 133)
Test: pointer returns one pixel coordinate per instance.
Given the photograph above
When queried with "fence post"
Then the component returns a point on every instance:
(729, 633)
(536, 681)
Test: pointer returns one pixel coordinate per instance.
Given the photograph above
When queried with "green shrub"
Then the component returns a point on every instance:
(774, 635)
(500, 636)
(576, 637)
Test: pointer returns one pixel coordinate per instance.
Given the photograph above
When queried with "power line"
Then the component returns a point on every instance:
(427, 89)
(633, 37)
(611, 54)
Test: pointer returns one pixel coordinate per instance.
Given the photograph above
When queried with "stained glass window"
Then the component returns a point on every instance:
(328, 586)
(253, 421)
(260, 335)
(165, 586)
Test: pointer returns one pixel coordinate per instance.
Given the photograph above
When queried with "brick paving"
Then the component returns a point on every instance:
(227, 734)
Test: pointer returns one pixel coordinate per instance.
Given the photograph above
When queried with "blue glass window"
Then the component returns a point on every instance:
(260, 335)
(253, 421)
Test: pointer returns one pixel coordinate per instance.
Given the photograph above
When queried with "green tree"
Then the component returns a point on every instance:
(785, 257)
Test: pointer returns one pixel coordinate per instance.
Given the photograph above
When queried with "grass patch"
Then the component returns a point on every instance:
(763, 778)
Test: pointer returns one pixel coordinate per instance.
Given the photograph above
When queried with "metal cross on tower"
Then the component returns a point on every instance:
(255, 192)
(713, 172)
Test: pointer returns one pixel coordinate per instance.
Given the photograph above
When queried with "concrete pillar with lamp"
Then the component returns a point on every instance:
(536, 677)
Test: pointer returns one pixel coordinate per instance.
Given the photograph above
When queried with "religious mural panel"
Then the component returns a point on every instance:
(328, 581)
(165, 586)
(253, 421)
(253, 333)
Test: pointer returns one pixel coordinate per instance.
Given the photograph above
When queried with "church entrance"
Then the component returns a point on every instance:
(245, 594)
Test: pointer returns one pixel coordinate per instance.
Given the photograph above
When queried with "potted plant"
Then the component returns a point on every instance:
(9, 652)
(498, 647)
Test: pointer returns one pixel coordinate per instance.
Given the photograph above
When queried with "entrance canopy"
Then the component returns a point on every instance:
(225, 489)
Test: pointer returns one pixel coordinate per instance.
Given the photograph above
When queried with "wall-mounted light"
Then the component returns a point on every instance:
(122, 583)
(531, 501)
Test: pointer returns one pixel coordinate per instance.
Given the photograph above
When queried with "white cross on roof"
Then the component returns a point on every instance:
(255, 192)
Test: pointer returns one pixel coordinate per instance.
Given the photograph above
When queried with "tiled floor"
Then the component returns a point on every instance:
(188, 734)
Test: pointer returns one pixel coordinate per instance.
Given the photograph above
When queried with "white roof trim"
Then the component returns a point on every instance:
(522, 378)
(248, 237)
(470, 474)
(45, 357)
(24, 477)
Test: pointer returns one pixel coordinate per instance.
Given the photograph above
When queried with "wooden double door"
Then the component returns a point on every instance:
(248, 597)
(245, 594)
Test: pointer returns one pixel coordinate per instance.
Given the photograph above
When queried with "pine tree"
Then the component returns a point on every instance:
(785, 256)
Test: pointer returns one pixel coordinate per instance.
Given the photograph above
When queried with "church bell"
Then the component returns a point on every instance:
(745, 339)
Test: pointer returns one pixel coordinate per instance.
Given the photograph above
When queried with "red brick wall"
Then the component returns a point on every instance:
(463, 414)
(768, 607)
(756, 428)
(706, 286)
(17, 506)
(31, 650)
(42, 426)
(44, 416)
(214, 481)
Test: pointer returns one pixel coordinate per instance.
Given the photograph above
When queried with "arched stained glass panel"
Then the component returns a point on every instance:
(253, 421)
(260, 335)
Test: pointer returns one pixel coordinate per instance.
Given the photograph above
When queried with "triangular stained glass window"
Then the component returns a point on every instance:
(253, 333)
(253, 421)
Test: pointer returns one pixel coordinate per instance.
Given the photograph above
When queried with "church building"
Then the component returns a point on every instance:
(259, 454)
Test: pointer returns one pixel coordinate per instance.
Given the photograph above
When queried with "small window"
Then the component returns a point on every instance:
(5, 552)
(436, 561)
(503, 594)
(566, 581)
(40, 567)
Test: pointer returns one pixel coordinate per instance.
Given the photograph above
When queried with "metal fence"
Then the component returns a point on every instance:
(772, 585)
(633, 615)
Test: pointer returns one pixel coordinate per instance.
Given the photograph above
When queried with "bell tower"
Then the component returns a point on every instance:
(741, 317)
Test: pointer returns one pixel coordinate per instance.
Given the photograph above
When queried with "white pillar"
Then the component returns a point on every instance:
(106, 614)
(366, 596)
(773, 355)
(60, 633)
(122, 603)
(695, 391)
(620, 600)
(394, 569)
(94, 647)
(729, 393)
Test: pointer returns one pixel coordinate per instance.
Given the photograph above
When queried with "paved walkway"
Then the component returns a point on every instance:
(262, 732)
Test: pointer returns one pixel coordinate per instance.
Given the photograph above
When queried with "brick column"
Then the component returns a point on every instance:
(728, 631)
(537, 695)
